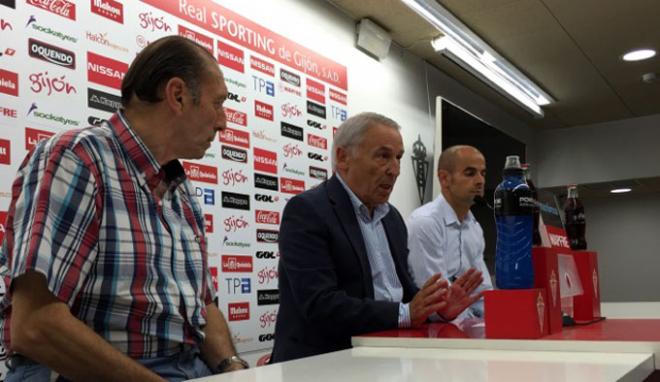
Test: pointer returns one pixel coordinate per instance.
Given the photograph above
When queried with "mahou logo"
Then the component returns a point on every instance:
(263, 110)
(291, 186)
(239, 311)
(292, 151)
(230, 57)
(235, 116)
(316, 141)
(265, 160)
(338, 97)
(3, 219)
(267, 217)
(49, 84)
(235, 137)
(208, 223)
(204, 41)
(105, 71)
(9, 82)
(109, 9)
(290, 110)
(235, 223)
(315, 91)
(33, 136)
(201, 173)
(230, 177)
(5, 151)
(62, 8)
(236, 263)
(262, 66)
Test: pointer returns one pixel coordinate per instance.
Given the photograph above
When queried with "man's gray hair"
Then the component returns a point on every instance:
(350, 133)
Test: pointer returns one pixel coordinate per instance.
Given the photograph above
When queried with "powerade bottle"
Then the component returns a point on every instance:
(576, 224)
(536, 212)
(513, 207)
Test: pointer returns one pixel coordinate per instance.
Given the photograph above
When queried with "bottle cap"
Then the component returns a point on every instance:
(512, 161)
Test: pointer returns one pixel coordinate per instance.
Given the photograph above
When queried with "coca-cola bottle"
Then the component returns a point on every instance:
(575, 221)
(536, 236)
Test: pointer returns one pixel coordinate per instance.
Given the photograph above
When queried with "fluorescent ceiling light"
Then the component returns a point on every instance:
(638, 55)
(468, 50)
(620, 190)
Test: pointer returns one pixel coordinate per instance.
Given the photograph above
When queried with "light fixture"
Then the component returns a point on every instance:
(469, 51)
(638, 55)
(620, 190)
(373, 39)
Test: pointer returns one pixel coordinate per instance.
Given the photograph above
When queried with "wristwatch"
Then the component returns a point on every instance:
(225, 363)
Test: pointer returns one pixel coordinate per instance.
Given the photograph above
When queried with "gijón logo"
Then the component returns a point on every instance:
(268, 319)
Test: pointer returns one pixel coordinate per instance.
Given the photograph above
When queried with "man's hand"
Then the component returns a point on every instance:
(429, 299)
(459, 296)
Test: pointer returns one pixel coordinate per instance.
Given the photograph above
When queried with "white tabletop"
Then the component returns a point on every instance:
(400, 364)
(640, 309)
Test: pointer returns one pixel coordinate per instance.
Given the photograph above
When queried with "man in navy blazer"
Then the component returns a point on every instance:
(343, 252)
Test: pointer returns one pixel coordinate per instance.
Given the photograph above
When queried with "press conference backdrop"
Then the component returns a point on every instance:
(61, 66)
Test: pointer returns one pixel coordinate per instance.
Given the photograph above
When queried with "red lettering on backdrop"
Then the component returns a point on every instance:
(236, 28)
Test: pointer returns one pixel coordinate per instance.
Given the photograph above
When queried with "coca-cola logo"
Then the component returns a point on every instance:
(316, 125)
(267, 217)
(269, 255)
(235, 137)
(153, 23)
(266, 275)
(266, 337)
(318, 173)
(236, 263)
(290, 78)
(44, 82)
(263, 110)
(110, 9)
(34, 136)
(315, 91)
(268, 297)
(208, 223)
(291, 131)
(235, 223)
(230, 57)
(266, 198)
(51, 53)
(62, 8)
(8, 82)
(267, 236)
(235, 116)
(265, 181)
(202, 40)
(338, 97)
(317, 157)
(5, 151)
(316, 141)
(232, 177)
(233, 154)
(262, 66)
(201, 173)
(239, 311)
(268, 319)
(290, 110)
(291, 151)
(265, 160)
(105, 71)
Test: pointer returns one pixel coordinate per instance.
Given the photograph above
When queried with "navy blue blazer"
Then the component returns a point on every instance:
(325, 284)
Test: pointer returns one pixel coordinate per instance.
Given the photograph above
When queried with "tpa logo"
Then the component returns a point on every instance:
(51, 54)
(207, 194)
(235, 263)
(263, 110)
(292, 151)
(234, 154)
(316, 141)
(235, 116)
(235, 223)
(266, 198)
(267, 217)
(338, 97)
(235, 137)
(230, 57)
(208, 223)
(290, 110)
(204, 41)
(5, 151)
(315, 91)
(338, 113)
(201, 173)
(46, 83)
(237, 285)
(152, 23)
(110, 9)
(34, 136)
(265, 160)
(263, 86)
(239, 311)
(267, 236)
(265, 181)
(232, 177)
(62, 8)
(105, 71)
(8, 82)
(262, 66)
(291, 186)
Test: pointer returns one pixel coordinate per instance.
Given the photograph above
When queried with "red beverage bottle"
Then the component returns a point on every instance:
(576, 224)
(536, 236)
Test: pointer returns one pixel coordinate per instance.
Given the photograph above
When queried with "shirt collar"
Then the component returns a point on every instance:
(360, 209)
(448, 215)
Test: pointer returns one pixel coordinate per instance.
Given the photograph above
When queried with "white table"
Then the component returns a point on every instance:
(385, 364)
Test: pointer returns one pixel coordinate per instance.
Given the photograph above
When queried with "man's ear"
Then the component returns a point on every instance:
(443, 177)
(175, 91)
(342, 156)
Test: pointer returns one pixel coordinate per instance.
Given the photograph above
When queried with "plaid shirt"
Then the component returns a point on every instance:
(130, 265)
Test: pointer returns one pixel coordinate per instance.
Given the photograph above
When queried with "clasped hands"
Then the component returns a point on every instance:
(437, 296)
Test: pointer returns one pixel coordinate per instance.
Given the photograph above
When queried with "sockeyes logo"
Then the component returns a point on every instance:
(235, 263)
(32, 22)
(318, 173)
(290, 110)
(316, 141)
(263, 110)
(267, 236)
(103, 101)
(9, 82)
(265, 160)
(204, 41)
(268, 297)
(338, 97)
(263, 86)
(201, 173)
(235, 137)
(232, 177)
(315, 91)
(51, 53)
(230, 57)
(62, 8)
(33, 110)
(292, 151)
(235, 116)
(5, 151)
(267, 217)
(265, 181)
(110, 9)
(315, 109)
(290, 78)
(233, 154)
(8, 112)
(235, 223)
(237, 201)
(33, 136)
(262, 66)
(105, 71)
(208, 223)
(239, 311)
(291, 131)
(291, 186)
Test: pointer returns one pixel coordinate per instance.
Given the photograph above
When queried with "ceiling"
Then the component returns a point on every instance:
(570, 48)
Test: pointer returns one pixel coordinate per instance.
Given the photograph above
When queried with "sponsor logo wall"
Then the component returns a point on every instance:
(61, 67)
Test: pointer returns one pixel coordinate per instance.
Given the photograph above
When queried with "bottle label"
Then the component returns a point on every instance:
(512, 203)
